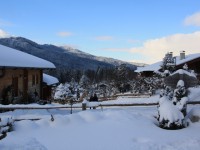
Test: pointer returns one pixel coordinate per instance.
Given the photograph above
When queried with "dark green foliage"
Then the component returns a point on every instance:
(172, 126)
(7, 95)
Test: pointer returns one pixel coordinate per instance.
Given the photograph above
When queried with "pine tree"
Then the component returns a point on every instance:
(84, 81)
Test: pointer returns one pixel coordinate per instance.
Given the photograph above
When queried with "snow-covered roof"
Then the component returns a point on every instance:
(182, 71)
(10, 57)
(152, 67)
(156, 66)
(49, 80)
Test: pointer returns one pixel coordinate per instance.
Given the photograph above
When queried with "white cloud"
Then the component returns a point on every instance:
(154, 49)
(3, 34)
(104, 38)
(194, 19)
(64, 34)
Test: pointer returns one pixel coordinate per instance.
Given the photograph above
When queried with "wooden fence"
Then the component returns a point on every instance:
(100, 105)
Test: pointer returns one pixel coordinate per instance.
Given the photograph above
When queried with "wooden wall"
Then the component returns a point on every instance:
(193, 65)
(23, 82)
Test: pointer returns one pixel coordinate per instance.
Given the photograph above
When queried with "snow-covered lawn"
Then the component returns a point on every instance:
(114, 128)
(110, 128)
(132, 100)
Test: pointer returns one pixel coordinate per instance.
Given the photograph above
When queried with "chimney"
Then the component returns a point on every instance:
(170, 54)
(182, 55)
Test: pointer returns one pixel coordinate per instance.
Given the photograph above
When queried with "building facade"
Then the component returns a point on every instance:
(21, 76)
(20, 85)
(192, 61)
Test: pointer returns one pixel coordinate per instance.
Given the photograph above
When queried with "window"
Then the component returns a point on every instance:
(33, 80)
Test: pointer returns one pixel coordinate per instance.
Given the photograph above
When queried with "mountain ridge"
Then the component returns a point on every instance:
(63, 57)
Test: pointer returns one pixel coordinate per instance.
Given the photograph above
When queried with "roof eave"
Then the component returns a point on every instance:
(16, 67)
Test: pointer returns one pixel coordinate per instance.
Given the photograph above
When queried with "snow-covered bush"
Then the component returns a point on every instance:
(172, 109)
(145, 85)
(180, 97)
(61, 91)
(168, 92)
(67, 91)
(6, 125)
(169, 116)
(194, 115)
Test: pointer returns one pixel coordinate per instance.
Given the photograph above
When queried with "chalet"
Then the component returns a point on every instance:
(192, 61)
(21, 76)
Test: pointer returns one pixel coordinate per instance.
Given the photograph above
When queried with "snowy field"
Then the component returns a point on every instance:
(113, 128)
(110, 128)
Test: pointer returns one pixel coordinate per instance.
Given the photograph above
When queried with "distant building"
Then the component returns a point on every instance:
(192, 60)
(21, 76)
(48, 83)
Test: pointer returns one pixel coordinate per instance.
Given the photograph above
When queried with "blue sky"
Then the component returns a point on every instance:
(130, 30)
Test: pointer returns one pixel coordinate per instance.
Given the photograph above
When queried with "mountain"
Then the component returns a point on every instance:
(62, 57)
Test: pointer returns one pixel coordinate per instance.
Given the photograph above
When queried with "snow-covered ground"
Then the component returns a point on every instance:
(113, 128)
(132, 100)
